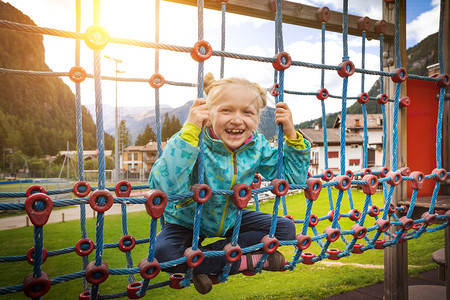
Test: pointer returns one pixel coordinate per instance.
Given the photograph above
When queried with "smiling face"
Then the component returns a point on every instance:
(235, 116)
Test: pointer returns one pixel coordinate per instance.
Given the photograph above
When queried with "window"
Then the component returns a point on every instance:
(333, 154)
(354, 146)
(354, 162)
(130, 166)
(129, 156)
(135, 156)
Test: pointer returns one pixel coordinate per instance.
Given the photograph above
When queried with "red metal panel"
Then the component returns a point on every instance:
(421, 130)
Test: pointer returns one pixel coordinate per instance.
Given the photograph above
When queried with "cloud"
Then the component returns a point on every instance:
(425, 24)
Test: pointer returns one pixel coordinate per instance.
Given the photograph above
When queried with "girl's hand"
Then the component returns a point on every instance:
(283, 115)
(198, 113)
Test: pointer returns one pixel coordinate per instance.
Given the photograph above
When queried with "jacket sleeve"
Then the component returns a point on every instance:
(172, 171)
(295, 161)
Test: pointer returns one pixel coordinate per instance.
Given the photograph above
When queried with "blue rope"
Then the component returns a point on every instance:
(157, 105)
(439, 128)
(324, 124)
(284, 204)
(234, 242)
(256, 201)
(280, 140)
(222, 45)
(345, 30)
(363, 105)
(129, 258)
(381, 67)
(344, 86)
(398, 62)
(322, 71)
(100, 147)
(363, 59)
(38, 250)
(441, 38)
(79, 128)
(366, 137)
(395, 126)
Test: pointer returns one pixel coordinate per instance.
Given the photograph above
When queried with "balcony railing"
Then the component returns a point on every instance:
(314, 162)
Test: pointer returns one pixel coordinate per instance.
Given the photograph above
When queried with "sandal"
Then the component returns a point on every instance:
(276, 261)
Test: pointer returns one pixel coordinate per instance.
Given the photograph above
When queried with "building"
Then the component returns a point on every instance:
(353, 149)
(355, 124)
(140, 159)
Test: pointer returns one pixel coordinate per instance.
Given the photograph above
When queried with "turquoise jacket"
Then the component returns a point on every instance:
(177, 170)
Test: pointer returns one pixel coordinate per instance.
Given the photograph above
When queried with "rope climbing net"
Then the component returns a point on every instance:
(357, 239)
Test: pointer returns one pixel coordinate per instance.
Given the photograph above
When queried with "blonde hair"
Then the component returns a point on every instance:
(217, 89)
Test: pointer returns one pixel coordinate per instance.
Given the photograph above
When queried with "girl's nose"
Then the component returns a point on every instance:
(237, 118)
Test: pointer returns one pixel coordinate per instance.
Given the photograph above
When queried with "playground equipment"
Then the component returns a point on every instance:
(396, 230)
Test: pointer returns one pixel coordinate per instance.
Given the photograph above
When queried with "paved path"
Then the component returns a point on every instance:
(427, 287)
(70, 213)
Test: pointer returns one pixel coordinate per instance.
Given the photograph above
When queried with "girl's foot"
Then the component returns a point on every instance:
(274, 262)
(202, 283)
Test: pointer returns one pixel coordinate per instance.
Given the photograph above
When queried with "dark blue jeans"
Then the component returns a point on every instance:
(173, 240)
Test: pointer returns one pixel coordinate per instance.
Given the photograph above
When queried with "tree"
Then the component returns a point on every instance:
(146, 136)
(170, 126)
(166, 128)
(124, 134)
(175, 124)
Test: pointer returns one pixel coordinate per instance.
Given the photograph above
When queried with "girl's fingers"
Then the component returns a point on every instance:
(198, 102)
(282, 105)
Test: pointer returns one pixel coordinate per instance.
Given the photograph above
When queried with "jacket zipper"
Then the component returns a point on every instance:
(232, 183)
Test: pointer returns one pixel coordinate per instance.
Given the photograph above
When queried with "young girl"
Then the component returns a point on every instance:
(233, 153)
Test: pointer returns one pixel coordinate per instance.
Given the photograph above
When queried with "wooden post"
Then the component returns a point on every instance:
(27, 221)
(62, 217)
(293, 13)
(396, 258)
(446, 140)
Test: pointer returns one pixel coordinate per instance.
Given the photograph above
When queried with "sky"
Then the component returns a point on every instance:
(246, 35)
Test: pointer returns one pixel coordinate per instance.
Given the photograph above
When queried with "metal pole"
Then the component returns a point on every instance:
(116, 140)
(68, 160)
(4, 161)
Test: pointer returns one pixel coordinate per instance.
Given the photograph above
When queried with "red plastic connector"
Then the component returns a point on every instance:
(157, 80)
(149, 269)
(314, 188)
(242, 194)
(38, 217)
(347, 68)
(119, 189)
(196, 51)
(280, 187)
(303, 241)
(93, 200)
(322, 94)
(270, 244)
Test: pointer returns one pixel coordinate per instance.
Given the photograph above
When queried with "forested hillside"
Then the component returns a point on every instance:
(37, 115)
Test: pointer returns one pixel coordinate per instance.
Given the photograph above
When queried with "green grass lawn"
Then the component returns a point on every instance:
(305, 282)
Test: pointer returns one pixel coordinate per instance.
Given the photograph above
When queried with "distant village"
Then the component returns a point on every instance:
(137, 161)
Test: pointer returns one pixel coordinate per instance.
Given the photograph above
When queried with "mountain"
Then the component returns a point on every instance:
(418, 58)
(37, 115)
(137, 118)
